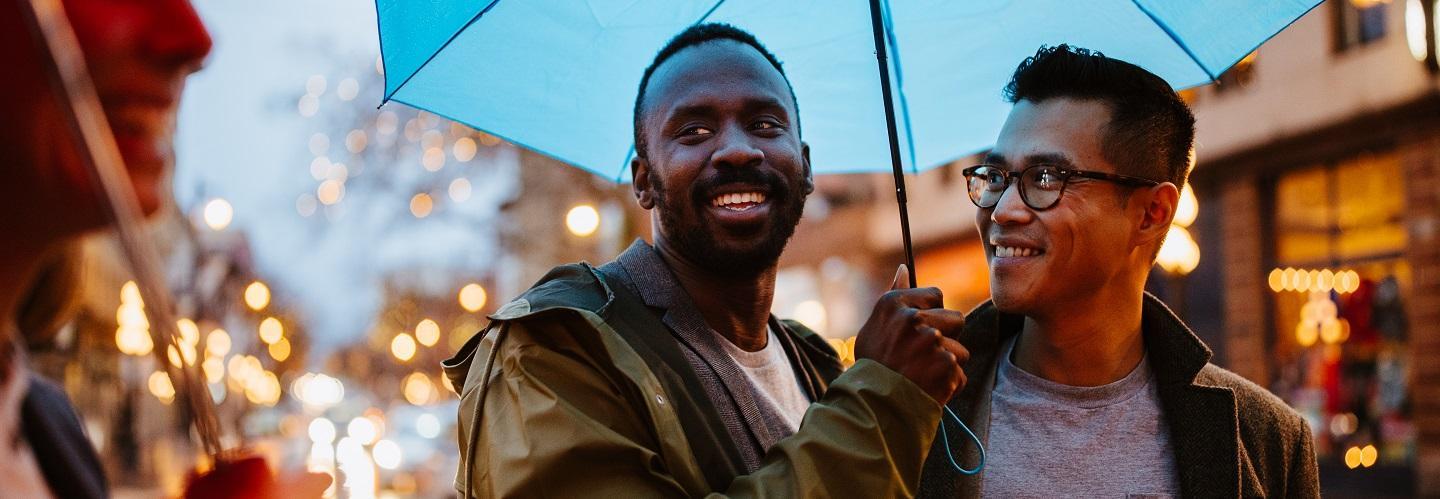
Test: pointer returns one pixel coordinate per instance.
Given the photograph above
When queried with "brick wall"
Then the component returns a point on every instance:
(1421, 158)
(1244, 282)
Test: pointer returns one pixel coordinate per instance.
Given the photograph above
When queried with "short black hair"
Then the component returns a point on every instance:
(696, 35)
(1151, 130)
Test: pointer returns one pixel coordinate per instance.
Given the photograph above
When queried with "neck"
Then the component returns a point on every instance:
(736, 307)
(1098, 346)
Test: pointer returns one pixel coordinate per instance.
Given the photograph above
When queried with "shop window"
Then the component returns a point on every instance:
(1359, 22)
(1340, 330)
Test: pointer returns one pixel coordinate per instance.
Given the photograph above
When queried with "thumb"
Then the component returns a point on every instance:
(902, 278)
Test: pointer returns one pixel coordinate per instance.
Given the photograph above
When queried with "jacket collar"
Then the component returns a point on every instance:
(1204, 429)
(650, 276)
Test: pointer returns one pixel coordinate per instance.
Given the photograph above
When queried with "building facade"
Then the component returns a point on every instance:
(1319, 181)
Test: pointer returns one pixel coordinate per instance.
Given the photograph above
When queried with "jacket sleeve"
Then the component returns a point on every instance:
(558, 422)
(1304, 479)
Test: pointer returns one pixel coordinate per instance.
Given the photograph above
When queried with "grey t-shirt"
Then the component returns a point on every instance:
(1053, 440)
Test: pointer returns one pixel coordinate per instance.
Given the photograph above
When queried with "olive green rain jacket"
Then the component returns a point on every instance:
(578, 389)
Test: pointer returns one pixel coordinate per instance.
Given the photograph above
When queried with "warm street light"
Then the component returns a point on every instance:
(472, 297)
(218, 214)
(582, 220)
(280, 350)
(257, 296)
(271, 330)
(421, 204)
(321, 431)
(161, 387)
(217, 343)
(132, 336)
(418, 389)
(387, 454)
(362, 429)
(427, 332)
(1179, 255)
(403, 347)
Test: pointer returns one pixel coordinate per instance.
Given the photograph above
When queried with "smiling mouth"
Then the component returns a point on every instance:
(738, 201)
(1017, 252)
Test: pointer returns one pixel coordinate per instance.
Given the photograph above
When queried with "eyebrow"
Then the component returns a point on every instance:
(749, 105)
(1056, 159)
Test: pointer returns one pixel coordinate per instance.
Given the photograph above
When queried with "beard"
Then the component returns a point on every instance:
(697, 241)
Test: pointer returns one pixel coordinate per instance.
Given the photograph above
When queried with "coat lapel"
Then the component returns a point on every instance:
(1204, 425)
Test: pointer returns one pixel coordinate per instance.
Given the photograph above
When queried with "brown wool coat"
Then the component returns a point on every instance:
(1231, 437)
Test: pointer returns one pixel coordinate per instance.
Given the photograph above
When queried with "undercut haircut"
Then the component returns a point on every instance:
(1151, 130)
(696, 35)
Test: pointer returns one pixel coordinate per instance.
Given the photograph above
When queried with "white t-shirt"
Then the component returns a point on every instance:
(770, 372)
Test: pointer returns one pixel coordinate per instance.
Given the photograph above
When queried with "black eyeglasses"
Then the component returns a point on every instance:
(1040, 185)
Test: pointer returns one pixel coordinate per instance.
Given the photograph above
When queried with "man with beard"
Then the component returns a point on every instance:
(662, 373)
(1085, 385)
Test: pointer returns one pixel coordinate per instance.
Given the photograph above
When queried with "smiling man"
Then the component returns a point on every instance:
(663, 373)
(1084, 385)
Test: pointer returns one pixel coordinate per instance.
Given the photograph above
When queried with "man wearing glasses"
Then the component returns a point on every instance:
(1083, 385)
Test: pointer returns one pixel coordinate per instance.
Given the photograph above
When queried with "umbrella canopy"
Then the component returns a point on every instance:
(560, 77)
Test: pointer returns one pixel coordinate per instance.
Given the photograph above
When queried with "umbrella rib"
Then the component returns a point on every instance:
(437, 51)
(1174, 37)
(708, 12)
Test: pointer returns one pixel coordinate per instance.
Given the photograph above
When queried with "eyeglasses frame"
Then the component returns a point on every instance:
(1013, 177)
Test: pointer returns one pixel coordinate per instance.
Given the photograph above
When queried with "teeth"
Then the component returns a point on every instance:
(738, 198)
(1011, 252)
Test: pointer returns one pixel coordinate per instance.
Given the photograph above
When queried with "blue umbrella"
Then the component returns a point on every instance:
(881, 87)
(560, 77)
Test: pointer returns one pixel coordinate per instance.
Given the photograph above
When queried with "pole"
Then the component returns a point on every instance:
(877, 25)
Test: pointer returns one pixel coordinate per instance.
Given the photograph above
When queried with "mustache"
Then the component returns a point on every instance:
(775, 186)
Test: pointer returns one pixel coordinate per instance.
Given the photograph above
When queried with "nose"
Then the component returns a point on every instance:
(1011, 209)
(178, 38)
(735, 150)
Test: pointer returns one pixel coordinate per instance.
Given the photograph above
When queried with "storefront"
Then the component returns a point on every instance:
(1327, 245)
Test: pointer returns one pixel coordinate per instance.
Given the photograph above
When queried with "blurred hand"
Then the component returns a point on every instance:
(18, 470)
(250, 478)
(910, 332)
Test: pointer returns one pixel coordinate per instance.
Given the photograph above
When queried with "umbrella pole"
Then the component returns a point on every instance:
(878, 26)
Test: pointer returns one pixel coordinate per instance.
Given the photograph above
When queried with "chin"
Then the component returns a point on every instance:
(147, 184)
(1010, 301)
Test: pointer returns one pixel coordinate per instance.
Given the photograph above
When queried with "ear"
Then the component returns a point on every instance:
(640, 182)
(1158, 211)
(809, 175)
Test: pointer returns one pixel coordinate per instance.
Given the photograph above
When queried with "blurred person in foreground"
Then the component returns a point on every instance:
(1084, 385)
(139, 54)
(663, 373)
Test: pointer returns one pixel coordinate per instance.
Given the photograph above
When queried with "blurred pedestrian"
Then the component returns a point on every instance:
(138, 54)
(663, 373)
(1084, 385)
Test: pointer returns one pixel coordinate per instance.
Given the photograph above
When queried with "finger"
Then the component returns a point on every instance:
(902, 278)
(923, 298)
(962, 354)
(949, 322)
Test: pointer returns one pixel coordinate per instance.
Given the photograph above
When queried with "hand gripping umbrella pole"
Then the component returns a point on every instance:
(80, 104)
(877, 25)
